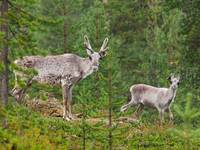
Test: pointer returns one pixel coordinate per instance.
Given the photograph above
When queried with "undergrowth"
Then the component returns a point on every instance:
(22, 128)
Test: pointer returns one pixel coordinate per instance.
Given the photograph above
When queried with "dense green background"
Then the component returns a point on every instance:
(149, 39)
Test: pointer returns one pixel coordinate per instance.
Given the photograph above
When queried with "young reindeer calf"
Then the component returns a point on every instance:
(159, 98)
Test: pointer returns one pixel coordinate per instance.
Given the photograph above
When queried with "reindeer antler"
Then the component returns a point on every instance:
(87, 44)
(104, 47)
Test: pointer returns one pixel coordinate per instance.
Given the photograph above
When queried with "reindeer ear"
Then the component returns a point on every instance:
(169, 78)
(179, 79)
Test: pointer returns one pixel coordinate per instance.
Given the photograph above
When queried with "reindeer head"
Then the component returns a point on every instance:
(174, 80)
(95, 56)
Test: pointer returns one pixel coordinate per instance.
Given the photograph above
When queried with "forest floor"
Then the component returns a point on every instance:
(54, 108)
(25, 128)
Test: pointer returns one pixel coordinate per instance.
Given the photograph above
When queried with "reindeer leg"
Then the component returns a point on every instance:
(65, 93)
(125, 107)
(170, 115)
(138, 111)
(161, 113)
(28, 84)
(18, 92)
(67, 82)
(71, 116)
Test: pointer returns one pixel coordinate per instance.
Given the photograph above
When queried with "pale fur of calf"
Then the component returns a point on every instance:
(159, 98)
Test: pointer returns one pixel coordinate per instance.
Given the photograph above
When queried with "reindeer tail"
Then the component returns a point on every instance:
(27, 61)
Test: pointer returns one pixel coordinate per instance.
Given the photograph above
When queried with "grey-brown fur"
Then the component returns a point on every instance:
(159, 98)
(65, 70)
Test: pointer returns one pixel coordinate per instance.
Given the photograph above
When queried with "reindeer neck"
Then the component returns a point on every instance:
(172, 89)
(171, 92)
(87, 67)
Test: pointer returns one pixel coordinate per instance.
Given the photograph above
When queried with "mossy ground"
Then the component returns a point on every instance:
(22, 128)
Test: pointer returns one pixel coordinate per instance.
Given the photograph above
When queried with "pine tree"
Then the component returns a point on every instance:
(4, 53)
(188, 116)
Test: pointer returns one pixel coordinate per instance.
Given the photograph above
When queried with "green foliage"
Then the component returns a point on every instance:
(188, 115)
(39, 132)
(35, 131)
(26, 71)
(148, 40)
(2, 113)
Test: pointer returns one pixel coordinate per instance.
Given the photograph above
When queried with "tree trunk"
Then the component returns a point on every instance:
(110, 140)
(65, 29)
(65, 37)
(97, 91)
(170, 55)
(4, 53)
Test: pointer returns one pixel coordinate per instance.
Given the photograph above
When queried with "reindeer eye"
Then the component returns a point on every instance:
(90, 58)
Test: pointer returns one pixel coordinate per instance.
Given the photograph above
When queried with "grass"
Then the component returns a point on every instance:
(22, 128)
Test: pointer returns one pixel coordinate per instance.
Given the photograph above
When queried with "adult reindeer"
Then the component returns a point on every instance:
(65, 70)
(159, 98)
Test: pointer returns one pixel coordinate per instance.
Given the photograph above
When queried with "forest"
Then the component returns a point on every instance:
(100, 48)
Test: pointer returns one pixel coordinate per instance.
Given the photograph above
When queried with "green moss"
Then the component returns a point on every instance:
(26, 129)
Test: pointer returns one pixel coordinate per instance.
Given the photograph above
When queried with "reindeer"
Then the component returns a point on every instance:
(65, 70)
(159, 98)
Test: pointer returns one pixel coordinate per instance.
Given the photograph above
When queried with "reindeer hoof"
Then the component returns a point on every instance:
(122, 109)
(72, 117)
(66, 118)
